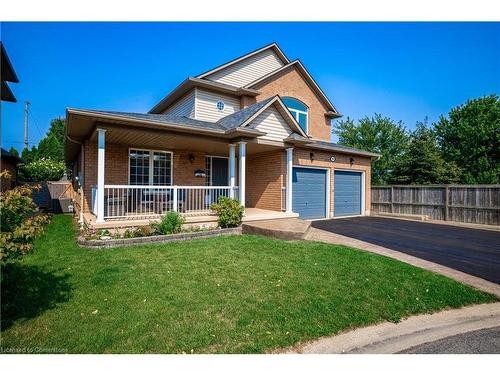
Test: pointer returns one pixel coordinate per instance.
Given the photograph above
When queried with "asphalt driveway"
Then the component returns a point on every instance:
(473, 251)
(484, 341)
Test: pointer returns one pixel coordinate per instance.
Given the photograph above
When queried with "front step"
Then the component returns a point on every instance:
(291, 229)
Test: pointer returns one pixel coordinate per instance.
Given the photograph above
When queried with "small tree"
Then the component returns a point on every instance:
(422, 163)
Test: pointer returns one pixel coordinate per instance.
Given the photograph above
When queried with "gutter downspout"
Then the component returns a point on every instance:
(80, 181)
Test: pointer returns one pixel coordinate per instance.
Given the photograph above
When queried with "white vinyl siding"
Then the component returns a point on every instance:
(206, 105)
(271, 122)
(248, 70)
(183, 107)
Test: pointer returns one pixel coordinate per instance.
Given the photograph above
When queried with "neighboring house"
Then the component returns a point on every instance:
(8, 75)
(256, 128)
(8, 163)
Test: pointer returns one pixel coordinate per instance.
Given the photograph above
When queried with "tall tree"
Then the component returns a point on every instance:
(470, 137)
(14, 151)
(52, 146)
(49, 147)
(422, 162)
(376, 134)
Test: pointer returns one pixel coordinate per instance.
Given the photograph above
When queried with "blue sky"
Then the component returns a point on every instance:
(407, 71)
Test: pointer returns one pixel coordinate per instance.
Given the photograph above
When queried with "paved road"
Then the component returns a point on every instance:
(484, 341)
(473, 251)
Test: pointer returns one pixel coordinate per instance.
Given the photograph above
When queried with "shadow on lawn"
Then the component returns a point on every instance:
(28, 291)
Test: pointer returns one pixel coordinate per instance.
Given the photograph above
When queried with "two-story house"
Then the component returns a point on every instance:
(256, 128)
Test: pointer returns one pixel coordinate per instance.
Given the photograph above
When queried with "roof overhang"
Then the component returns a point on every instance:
(8, 74)
(82, 123)
(311, 144)
(7, 70)
(192, 82)
(6, 93)
(272, 46)
(331, 110)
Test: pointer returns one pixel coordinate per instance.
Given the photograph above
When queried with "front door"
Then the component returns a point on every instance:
(220, 172)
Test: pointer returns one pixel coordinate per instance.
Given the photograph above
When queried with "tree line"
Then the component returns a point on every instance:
(462, 147)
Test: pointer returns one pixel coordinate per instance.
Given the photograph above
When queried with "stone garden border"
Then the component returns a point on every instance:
(103, 244)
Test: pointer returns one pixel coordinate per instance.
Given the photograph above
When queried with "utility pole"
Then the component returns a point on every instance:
(26, 105)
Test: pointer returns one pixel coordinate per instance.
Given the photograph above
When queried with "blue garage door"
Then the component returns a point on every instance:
(309, 193)
(347, 193)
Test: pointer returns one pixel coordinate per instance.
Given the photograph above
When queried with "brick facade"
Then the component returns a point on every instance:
(267, 175)
(322, 159)
(265, 179)
(291, 83)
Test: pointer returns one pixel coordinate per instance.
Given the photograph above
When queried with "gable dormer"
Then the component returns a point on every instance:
(248, 68)
(205, 105)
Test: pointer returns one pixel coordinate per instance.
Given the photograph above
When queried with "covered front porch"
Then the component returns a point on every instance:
(140, 176)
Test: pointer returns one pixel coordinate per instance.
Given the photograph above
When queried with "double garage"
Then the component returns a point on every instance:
(311, 192)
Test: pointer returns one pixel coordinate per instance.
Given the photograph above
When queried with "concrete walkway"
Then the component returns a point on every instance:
(387, 338)
(315, 234)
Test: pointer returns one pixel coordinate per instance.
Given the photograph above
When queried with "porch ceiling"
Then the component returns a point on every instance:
(164, 140)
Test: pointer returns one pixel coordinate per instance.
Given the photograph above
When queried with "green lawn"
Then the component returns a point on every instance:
(228, 294)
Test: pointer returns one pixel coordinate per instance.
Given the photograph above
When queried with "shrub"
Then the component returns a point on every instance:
(19, 242)
(169, 223)
(16, 205)
(42, 170)
(19, 223)
(230, 212)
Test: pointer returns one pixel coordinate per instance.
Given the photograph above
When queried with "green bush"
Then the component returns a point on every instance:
(19, 222)
(169, 223)
(230, 212)
(42, 170)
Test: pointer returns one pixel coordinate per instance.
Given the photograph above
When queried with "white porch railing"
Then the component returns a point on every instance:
(140, 201)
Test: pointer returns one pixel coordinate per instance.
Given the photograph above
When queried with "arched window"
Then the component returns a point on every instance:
(299, 110)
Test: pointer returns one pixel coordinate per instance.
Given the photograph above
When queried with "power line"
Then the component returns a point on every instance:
(26, 109)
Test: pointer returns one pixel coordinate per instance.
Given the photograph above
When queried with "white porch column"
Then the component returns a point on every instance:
(232, 168)
(289, 172)
(101, 144)
(242, 160)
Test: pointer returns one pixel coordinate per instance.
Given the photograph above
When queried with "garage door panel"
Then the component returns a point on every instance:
(309, 192)
(347, 193)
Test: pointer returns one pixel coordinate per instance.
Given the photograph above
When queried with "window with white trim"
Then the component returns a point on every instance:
(298, 110)
(147, 167)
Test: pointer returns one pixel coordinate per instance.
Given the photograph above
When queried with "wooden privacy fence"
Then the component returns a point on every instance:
(478, 204)
(54, 195)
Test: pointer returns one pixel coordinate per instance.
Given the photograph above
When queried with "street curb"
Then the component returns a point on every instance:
(388, 338)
